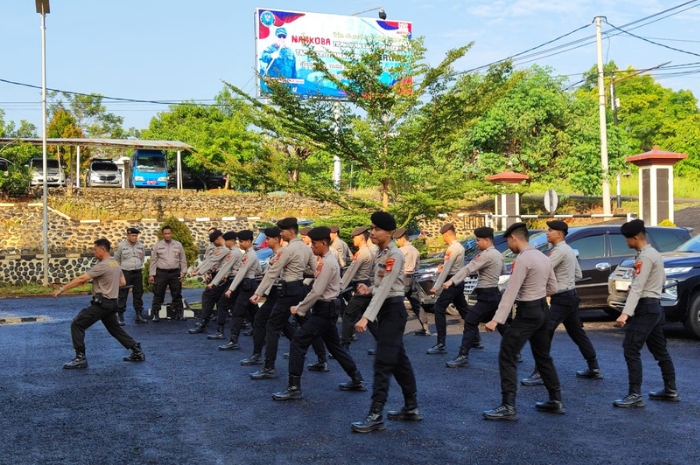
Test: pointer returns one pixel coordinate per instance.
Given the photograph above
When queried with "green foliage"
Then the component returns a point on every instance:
(667, 223)
(346, 222)
(15, 181)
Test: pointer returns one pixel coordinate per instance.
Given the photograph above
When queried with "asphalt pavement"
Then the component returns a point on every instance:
(190, 403)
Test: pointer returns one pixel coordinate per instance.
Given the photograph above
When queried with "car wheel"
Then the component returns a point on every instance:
(612, 312)
(692, 321)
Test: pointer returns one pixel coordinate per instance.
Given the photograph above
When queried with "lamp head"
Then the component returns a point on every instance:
(382, 13)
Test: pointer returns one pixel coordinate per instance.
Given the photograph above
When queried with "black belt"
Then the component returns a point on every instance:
(171, 270)
(530, 303)
(487, 290)
(649, 300)
(563, 293)
(394, 300)
(132, 271)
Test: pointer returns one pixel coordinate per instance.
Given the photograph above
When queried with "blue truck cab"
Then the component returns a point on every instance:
(149, 168)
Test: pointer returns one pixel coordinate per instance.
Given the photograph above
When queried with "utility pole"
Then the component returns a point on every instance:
(603, 121)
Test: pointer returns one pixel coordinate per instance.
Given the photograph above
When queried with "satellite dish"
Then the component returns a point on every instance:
(551, 199)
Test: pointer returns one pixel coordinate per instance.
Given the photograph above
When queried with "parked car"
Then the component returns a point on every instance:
(5, 165)
(600, 251)
(681, 295)
(263, 251)
(103, 173)
(55, 177)
(199, 181)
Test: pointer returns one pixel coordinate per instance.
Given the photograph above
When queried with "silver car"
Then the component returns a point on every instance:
(103, 173)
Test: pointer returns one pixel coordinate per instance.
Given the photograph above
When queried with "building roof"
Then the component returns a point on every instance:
(134, 143)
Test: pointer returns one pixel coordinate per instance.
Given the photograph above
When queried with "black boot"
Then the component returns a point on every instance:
(265, 373)
(232, 344)
(78, 362)
(201, 326)
(409, 411)
(461, 361)
(219, 333)
(320, 365)
(254, 359)
(533, 380)
(293, 391)
(139, 318)
(372, 422)
(356, 383)
(631, 400)
(505, 411)
(120, 318)
(155, 316)
(137, 354)
(593, 371)
(554, 404)
(667, 393)
(437, 349)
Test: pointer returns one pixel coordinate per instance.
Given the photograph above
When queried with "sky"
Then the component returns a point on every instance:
(176, 50)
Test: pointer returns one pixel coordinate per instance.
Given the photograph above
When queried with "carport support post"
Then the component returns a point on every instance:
(179, 169)
(77, 167)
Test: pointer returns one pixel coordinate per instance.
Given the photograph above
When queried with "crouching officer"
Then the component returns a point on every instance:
(490, 266)
(106, 278)
(130, 255)
(531, 281)
(324, 305)
(643, 319)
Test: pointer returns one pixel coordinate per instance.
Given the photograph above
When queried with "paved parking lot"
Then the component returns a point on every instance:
(190, 403)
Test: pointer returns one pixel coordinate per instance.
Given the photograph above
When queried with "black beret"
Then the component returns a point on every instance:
(632, 228)
(287, 223)
(132, 231)
(400, 233)
(484, 232)
(305, 231)
(215, 235)
(245, 235)
(359, 230)
(383, 220)
(320, 233)
(230, 235)
(558, 225)
(335, 229)
(272, 231)
(446, 227)
(513, 227)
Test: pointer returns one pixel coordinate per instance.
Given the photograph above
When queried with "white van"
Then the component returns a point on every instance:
(55, 177)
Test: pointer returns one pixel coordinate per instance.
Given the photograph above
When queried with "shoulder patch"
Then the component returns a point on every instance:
(389, 264)
(512, 267)
(113, 264)
(637, 267)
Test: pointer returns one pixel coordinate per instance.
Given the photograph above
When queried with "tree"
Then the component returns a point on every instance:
(394, 134)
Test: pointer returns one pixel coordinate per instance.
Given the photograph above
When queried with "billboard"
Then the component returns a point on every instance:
(281, 38)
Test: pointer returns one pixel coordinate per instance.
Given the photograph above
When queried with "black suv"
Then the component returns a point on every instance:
(197, 180)
(600, 250)
(681, 296)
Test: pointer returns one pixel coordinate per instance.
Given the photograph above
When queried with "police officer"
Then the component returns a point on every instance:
(359, 272)
(388, 309)
(643, 319)
(304, 232)
(106, 278)
(341, 248)
(490, 266)
(291, 263)
(130, 255)
(531, 280)
(211, 294)
(167, 269)
(454, 261)
(244, 284)
(411, 264)
(564, 304)
(324, 305)
(274, 242)
(222, 280)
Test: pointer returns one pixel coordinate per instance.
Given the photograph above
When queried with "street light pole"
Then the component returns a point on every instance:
(603, 120)
(43, 8)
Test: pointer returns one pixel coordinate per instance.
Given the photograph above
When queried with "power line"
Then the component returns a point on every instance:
(651, 41)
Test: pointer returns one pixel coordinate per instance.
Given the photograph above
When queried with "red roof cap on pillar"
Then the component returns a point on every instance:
(656, 157)
(508, 176)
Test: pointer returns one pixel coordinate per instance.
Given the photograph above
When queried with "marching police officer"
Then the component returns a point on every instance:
(209, 268)
(341, 248)
(388, 309)
(531, 280)
(411, 264)
(490, 266)
(324, 305)
(643, 319)
(167, 269)
(244, 284)
(130, 255)
(564, 304)
(106, 278)
(454, 261)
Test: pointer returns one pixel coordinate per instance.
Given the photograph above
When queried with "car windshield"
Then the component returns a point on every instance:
(693, 245)
(104, 166)
(38, 163)
(537, 240)
(150, 162)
